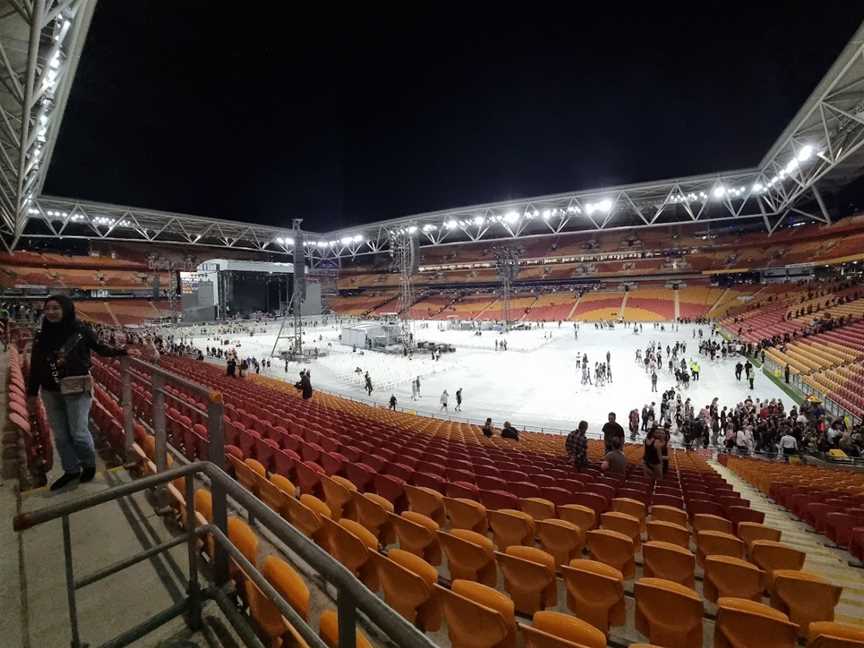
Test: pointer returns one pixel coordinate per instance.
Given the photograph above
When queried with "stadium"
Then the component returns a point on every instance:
(291, 437)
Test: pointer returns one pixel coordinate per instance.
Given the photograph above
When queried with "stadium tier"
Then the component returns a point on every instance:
(500, 541)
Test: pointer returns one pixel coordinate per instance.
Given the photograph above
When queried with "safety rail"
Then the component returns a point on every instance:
(351, 593)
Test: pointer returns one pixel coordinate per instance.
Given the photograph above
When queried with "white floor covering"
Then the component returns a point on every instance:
(534, 384)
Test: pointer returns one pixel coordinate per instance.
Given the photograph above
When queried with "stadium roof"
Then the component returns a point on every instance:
(819, 149)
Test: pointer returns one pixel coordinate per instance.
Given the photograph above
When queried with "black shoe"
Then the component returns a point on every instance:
(66, 479)
(87, 474)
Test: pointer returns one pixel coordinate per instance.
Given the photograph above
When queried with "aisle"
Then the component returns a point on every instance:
(822, 557)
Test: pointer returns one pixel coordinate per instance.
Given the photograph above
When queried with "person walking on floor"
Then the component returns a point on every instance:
(459, 400)
(368, 386)
(444, 397)
(60, 367)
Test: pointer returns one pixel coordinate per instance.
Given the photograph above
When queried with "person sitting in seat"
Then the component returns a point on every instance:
(615, 463)
(488, 430)
(509, 432)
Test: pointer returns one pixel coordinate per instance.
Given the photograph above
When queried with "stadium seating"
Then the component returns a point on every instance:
(422, 451)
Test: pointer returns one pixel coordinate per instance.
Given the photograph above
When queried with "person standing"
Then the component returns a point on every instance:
(459, 400)
(612, 430)
(651, 456)
(444, 398)
(786, 373)
(653, 381)
(634, 423)
(306, 384)
(738, 369)
(577, 446)
(393, 402)
(368, 385)
(60, 367)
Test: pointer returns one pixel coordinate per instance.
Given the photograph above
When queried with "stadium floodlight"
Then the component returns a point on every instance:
(805, 153)
(428, 227)
(280, 240)
(511, 216)
(289, 241)
(718, 192)
(345, 240)
(758, 187)
(412, 229)
(791, 165)
(451, 224)
(358, 238)
(479, 220)
(546, 214)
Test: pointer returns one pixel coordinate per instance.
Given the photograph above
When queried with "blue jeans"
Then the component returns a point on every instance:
(69, 416)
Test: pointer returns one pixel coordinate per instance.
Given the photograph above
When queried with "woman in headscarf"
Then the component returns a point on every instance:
(60, 365)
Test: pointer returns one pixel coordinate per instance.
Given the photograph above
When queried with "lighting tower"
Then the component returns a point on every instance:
(403, 249)
(507, 270)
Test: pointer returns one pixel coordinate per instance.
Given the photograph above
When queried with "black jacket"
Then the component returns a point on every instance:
(77, 360)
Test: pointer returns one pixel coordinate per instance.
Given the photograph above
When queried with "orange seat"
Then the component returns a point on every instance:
(561, 539)
(269, 620)
(669, 561)
(408, 583)
(612, 548)
(714, 543)
(826, 634)
(328, 630)
(466, 514)
(623, 523)
(668, 613)
(805, 597)
(741, 622)
(708, 522)
(350, 544)
(372, 512)
(669, 532)
(477, 616)
(511, 527)
(306, 514)
(529, 576)
(595, 593)
(285, 579)
(274, 497)
(243, 537)
(673, 514)
(630, 507)
(339, 495)
(426, 501)
(557, 630)
(771, 555)
(470, 556)
(582, 516)
(726, 576)
(284, 484)
(417, 534)
(537, 507)
(750, 531)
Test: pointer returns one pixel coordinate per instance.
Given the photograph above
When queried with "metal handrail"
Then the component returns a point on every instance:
(352, 593)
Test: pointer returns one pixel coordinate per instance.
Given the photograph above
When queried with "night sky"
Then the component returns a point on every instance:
(245, 112)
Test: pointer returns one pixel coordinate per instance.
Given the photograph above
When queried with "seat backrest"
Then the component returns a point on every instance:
(663, 513)
(476, 617)
(750, 531)
(556, 630)
(708, 522)
(288, 583)
(741, 622)
(828, 634)
(582, 516)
